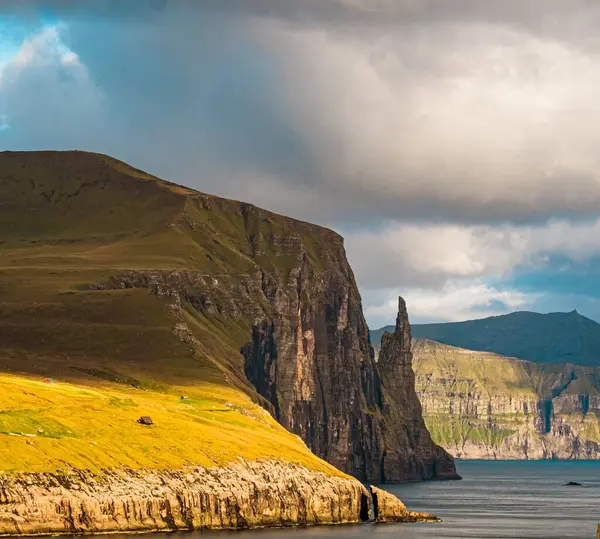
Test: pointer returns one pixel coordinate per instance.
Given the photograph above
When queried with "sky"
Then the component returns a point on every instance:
(454, 145)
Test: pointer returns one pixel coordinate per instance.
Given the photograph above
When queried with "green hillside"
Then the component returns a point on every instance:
(482, 405)
(540, 338)
(83, 240)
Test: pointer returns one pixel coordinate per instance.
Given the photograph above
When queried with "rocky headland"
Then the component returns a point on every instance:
(239, 331)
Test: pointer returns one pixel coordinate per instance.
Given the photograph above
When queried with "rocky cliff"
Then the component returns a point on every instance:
(481, 405)
(410, 450)
(316, 368)
(123, 295)
(239, 496)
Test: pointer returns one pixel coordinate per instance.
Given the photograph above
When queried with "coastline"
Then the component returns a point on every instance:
(259, 494)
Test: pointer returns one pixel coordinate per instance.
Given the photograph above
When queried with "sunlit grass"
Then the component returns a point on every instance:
(50, 426)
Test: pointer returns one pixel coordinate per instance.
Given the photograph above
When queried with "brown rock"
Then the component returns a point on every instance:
(233, 497)
(388, 508)
(411, 454)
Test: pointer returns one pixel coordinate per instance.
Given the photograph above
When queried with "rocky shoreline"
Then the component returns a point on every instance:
(239, 496)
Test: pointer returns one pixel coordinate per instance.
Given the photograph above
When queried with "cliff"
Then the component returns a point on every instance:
(481, 405)
(124, 295)
(411, 452)
(239, 496)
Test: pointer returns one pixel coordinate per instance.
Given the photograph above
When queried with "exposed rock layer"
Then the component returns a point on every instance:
(310, 359)
(410, 450)
(262, 302)
(235, 497)
(483, 406)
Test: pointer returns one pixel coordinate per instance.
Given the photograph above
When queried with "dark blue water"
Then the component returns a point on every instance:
(495, 500)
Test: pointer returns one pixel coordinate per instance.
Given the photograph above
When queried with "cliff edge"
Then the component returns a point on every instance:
(238, 496)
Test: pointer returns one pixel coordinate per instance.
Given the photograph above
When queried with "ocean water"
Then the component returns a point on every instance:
(495, 500)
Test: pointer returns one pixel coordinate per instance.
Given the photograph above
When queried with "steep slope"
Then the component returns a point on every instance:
(481, 405)
(541, 338)
(131, 291)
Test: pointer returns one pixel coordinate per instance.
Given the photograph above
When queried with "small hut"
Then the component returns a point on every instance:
(145, 420)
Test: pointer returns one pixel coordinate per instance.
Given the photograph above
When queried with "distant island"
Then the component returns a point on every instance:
(533, 405)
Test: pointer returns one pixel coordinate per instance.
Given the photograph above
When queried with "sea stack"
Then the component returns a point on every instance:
(414, 454)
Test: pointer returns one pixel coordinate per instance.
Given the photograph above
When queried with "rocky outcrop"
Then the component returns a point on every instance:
(310, 360)
(243, 297)
(478, 405)
(239, 496)
(388, 508)
(411, 453)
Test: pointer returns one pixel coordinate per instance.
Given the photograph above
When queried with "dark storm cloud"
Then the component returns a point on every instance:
(358, 108)
(435, 134)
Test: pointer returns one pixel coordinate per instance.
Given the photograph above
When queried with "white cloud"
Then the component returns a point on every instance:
(454, 302)
(441, 270)
(48, 96)
(430, 255)
(443, 121)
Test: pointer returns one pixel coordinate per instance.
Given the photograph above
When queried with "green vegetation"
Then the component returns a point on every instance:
(92, 425)
(484, 399)
(448, 430)
(71, 223)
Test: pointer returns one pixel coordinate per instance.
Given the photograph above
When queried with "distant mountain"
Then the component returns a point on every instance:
(540, 338)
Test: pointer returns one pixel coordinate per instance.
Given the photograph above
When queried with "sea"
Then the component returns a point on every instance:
(495, 500)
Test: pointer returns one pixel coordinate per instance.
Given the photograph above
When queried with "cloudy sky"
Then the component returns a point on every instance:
(454, 144)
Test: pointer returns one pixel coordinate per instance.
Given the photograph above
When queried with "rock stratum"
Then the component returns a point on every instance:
(479, 405)
(239, 331)
(238, 496)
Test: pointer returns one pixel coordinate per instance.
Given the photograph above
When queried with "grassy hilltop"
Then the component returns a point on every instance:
(69, 223)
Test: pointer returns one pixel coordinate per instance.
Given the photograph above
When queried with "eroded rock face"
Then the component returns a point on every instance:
(234, 497)
(410, 452)
(480, 405)
(238, 496)
(314, 363)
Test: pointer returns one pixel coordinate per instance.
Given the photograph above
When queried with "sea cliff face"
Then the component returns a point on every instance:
(309, 356)
(482, 406)
(238, 496)
(410, 451)
(312, 360)
(123, 295)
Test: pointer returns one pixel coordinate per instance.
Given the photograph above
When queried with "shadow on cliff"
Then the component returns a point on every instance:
(362, 416)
